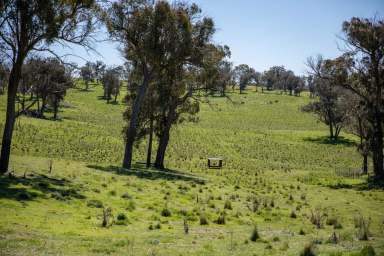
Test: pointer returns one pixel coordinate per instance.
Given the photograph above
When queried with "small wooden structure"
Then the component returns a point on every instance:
(215, 162)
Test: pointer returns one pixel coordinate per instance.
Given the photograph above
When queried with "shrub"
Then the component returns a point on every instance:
(166, 212)
(255, 234)
(228, 205)
(126, 196)
(203, 219)
(107, 214)
(317, 218)
(333, 221)
(367, 251)
(309, 250)
(362, 224)
(95, 203)
(221, 219)
(121, 219)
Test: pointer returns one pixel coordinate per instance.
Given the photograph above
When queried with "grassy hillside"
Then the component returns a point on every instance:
(277, 159)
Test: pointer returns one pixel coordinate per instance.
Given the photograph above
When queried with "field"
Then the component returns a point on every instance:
(280, 174)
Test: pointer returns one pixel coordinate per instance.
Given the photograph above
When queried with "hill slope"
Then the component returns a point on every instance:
(279, 169)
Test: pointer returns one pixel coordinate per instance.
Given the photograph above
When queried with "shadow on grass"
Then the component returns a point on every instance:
(37, 186)
(327, 141)
(150, 174)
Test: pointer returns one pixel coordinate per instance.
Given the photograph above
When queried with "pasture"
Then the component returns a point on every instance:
(281, 178)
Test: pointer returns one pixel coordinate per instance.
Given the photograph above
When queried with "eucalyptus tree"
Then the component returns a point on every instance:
(87, 74)
(4, 72)
(27, 26)
(365, 60)
(111, 84)
(155, 36)
(244, 75)
(329, 104)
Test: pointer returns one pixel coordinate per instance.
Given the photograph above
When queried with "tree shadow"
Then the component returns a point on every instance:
(37, 186)
(327, 141)
(150, 174)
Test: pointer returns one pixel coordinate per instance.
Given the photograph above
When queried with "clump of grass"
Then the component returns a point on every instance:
(228, 205)
(293, 215)
(112, 193)
(131, 205)
(166, 212)
(255, 234)
(203, 219)
(107, 215)
(368, 251)
(302, 232)
(154, 226)
(362, 224)
(95, 203)
(317, 218)
(333, 221)
(186, 226)
(126, 196)
(309, 250)
(333, 239)
(121, 219)
(221, 218)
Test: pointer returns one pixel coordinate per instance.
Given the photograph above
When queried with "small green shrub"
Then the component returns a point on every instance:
(95, 203)
(309, 250)
(228, 205)
(221, 219)
(203, 219)
(255, 234)
(166, 212)
(367, 251)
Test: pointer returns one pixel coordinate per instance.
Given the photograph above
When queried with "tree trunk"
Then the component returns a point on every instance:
(149, 150)
(365, 164)
(13, 83)
(331, 136)
(132, 129)
(164, 139)
(377, 148)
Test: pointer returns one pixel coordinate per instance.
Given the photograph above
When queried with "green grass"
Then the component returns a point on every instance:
(273, 153)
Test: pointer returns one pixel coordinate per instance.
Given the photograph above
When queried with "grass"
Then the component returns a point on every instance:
(277, 161)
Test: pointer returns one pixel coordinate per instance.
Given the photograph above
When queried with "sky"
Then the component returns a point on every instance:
(264, 33)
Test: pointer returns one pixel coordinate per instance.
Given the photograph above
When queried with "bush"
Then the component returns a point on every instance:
(334, 222)
(221, 219)
(95, 203)
(166, 212)
(126, 196)
(368, 251)
(255, 234)
(362, 224)
(317, 218)
(309, 250)
(228, 205)
(121, 219)
(203, 219)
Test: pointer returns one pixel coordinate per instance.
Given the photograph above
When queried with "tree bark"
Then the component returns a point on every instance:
(377, 148)
(365, 164)
(149, 150)
(132, 129)
(164, 139)
(13, 83)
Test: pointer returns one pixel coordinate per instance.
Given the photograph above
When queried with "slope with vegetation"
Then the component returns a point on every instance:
(284, 188)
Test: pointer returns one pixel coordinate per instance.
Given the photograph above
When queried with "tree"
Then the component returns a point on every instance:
(28, 26)
(3, 78)
(87, 74)
(365, 58)
(155, 36)
(329, 105)
(98, 70)
(46, 80)
(244, 75)
(111, 84)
